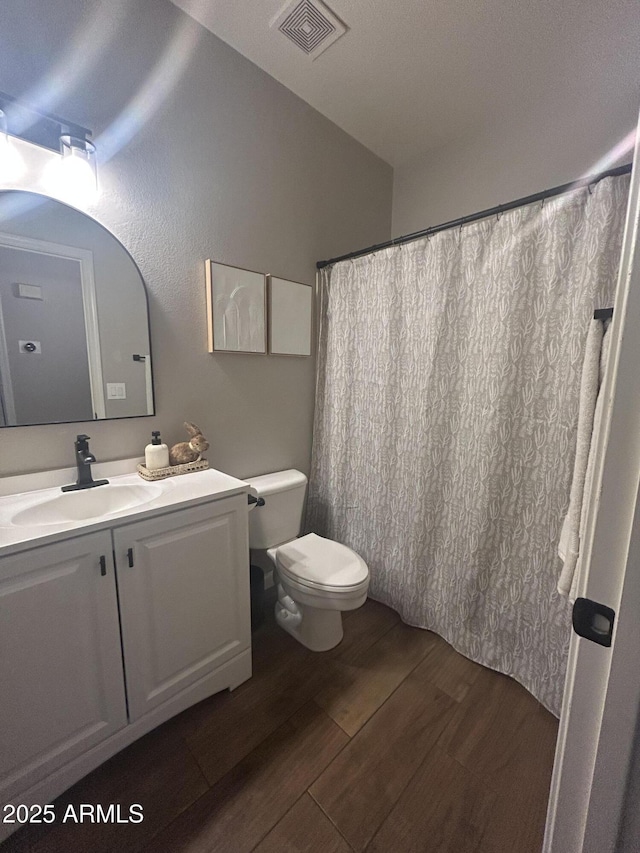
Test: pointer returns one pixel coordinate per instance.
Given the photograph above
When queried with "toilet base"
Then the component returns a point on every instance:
(318, 630)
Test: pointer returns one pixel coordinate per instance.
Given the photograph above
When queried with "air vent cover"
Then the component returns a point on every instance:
(310, 25)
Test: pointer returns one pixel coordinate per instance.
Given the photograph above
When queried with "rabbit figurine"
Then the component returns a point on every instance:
(189, 451)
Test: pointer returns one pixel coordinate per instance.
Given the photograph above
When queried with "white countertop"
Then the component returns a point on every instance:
(169, 494)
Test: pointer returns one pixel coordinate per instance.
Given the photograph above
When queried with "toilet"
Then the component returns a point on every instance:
(316, 578)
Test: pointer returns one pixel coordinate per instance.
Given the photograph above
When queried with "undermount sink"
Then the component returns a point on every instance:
(87, 503)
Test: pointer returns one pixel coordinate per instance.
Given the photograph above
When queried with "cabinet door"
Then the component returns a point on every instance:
(60, 658)
(183, 581)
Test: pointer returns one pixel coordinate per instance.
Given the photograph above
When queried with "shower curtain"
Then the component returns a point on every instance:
(446, 415)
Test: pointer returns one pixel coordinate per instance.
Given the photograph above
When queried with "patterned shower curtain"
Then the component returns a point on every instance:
(445, 425)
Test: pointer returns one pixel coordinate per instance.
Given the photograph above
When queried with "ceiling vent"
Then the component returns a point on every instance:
(310, 25)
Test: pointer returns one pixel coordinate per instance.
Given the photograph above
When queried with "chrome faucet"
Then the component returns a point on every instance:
(84, 458)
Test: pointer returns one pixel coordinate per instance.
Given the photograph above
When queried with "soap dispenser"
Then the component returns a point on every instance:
(156, 454)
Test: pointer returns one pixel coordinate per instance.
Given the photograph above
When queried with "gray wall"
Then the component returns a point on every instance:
(230, 166)
(514, 156)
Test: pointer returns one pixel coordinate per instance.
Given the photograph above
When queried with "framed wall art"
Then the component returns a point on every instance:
(290, 317)
(236, 309)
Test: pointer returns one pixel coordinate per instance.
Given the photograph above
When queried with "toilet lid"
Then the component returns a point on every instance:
(321, 562)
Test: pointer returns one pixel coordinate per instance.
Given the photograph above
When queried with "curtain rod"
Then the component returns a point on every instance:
(483, 214)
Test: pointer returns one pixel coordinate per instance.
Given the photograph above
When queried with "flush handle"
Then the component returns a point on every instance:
(593, 621)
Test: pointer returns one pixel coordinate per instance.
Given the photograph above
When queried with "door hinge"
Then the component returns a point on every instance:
(593, 621)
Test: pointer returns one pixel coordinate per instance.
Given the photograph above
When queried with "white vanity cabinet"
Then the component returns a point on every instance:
(183, 581)
(62, 688)
(104, 635)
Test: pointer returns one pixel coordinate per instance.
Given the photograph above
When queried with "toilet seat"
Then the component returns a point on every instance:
(313, 563)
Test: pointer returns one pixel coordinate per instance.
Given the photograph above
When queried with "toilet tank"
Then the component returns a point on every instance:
(280, 519)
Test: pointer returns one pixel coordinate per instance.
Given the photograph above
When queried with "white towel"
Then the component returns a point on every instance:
(589, 417)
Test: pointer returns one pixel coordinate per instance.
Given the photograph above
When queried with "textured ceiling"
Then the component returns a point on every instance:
(410, 76)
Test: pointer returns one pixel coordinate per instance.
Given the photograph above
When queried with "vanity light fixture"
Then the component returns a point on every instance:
(11, 163)
(72, 175)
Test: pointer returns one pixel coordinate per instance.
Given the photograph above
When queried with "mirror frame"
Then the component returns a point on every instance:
(11, 190)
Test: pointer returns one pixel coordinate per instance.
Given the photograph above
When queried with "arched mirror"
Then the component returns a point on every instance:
(74, 322)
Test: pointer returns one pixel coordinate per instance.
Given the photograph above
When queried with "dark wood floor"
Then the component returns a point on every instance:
(392, 742)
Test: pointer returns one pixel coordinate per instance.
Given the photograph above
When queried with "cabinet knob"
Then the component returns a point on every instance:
(103, 566)
(130, 557)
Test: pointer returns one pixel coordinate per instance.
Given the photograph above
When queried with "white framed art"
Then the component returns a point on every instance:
(290, 317)
(236, 309)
